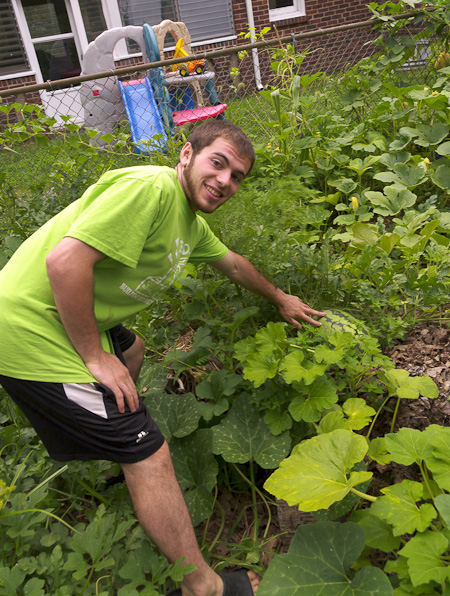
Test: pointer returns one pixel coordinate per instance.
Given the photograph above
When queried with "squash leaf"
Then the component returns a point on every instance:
(318, 472)
(398, 507)
(243, 436)
(318, 562)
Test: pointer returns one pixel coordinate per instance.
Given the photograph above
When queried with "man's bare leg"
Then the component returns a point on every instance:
(162, 512)
(134, 357)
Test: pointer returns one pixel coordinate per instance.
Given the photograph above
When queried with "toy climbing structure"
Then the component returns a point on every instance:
(155, 104)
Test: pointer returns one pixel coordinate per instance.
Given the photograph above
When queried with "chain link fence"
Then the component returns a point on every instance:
(140, 114)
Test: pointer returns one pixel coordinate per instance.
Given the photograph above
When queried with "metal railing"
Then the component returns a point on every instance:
(139, 120)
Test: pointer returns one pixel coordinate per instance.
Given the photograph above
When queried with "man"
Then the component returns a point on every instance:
(71, 366)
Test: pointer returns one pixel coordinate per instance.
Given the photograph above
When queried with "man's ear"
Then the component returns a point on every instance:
(186, 154)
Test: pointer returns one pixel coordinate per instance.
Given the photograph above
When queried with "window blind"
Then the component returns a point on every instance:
(13, 58)
(205, 20)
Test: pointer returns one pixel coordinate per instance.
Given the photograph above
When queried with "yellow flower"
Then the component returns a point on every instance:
(4, 493)
(426, 88)
(354, 203)
(435, 93)
(423, 164)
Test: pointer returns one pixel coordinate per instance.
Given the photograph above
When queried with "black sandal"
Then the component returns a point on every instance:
(235, 583)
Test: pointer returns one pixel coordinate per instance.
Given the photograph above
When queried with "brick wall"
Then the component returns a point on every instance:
(320, 14)
(20, 82)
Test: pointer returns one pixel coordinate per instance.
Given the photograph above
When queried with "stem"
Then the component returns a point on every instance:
(220, 530)
(40, 511)
(363, 495)
(269, 513)
(426, 479)
(100, 578)
(254, 506)
(394, 418)
(87, 581)
(376, 416)
(92, 491)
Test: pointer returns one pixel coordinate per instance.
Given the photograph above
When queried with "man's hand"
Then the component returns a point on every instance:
(109, 371)
(70, 268)
(242, 272)
(292, 309)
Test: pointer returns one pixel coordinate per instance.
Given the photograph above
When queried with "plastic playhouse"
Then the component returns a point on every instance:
(155, 104)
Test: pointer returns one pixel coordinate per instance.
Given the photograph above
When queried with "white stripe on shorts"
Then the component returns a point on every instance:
(87, 397)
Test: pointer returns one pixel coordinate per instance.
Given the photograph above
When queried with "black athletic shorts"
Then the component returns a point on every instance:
(81, 421)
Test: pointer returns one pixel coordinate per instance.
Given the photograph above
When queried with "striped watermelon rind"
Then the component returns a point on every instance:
(338, 320)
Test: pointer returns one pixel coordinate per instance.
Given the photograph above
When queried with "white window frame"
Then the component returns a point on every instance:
(78, 35)
(297, 9)
(112, 18)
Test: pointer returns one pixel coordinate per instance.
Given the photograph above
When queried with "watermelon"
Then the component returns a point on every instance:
(338, 320)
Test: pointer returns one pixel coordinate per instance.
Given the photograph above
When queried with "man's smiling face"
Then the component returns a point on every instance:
(213, 176)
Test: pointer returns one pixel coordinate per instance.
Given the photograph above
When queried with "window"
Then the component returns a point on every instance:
(46, 18)
(53, 39)
(13, 59)
(286, 9)
(205, 20)
(93, 18)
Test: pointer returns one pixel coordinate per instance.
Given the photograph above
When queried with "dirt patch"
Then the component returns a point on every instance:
(425, 351)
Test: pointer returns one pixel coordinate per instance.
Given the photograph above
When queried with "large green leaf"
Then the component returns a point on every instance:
(271, 338)
(378, 533)
(400, 383)
(425, 135)
(398, 507)
(318, 563)
(196, 469)
(358, 412)
(441, 177)
(345, 185)
(315, 398)
(444, 149)
(176, 415)
(438, 462)
(243, 436)
(394, 199)
(259, 367)
(442, 504)
(408, 446)
(317, 473)
(292, 369)
(409, 176)
(424, 552)
(152, 379)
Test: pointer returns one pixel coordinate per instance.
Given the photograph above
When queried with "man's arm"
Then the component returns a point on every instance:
(242, 272)
(70, 268)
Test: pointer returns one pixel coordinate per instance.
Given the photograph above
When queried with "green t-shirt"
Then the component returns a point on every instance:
(140, 219)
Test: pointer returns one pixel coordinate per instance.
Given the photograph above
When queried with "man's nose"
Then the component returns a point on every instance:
(224, 177)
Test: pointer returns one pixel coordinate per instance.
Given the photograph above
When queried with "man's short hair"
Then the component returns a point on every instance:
(208, 132)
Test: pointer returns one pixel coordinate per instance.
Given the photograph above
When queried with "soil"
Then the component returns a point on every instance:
(424, 351)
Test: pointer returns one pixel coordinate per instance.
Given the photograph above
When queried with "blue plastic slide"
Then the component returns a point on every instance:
(146, 126)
